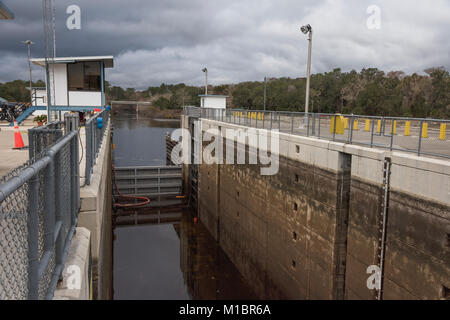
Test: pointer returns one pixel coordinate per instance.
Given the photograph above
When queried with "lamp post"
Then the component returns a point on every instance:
(265, 92)
(205, 70)
(308, 30)
(29, 43)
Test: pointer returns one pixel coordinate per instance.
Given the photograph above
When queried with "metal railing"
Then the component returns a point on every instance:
(39, 204)
(94, 138)
(420, 136)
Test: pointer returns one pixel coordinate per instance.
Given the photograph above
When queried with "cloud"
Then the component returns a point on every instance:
(171, 40)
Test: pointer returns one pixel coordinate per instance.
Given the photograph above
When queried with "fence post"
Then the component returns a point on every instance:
(351, 129)
(33, 238)
(87, 170)
(292, 122)
(420, 138)
(59, 205)
(307, 124)
(49, 205)
(31, 143)
(313, 133)
(371, 135)
(279, 122)
(318, 133)
(271, 119)
(75, 179)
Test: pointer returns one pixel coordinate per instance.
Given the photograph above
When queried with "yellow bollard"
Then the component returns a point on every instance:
(339, 120)
(345, 123)
(407, 128)
(425, 130)
(443, 129)
(378, 126)
(355, 125)
(394, 128)
(367, 125)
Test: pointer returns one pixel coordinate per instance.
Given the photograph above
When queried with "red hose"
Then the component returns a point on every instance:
(128, 205)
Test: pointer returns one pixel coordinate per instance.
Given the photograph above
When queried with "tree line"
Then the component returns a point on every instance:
(368, 92)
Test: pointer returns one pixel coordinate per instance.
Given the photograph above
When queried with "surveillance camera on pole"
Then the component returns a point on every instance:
(306, 29)
(205, 70)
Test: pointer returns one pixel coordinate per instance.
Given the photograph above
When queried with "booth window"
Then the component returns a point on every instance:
(84, 76)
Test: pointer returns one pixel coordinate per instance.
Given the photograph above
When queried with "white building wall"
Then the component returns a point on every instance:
(85, 98)
(214, 102)
(60, 71)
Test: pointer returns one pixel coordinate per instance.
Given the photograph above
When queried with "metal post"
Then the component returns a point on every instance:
(33, 238)
(307, 128)
(334, 119)
(31, 143)
(371, 136)
(102, 79)
(29, 43)
(49, 206)
(420, 138)
(87, 171)
(263, 119)
(265, 92)
(392, 134)
(49, 98)
(350, 133)
(279, 122)
(308, 72)
(271, 119)
(292, 122)
(59, 205)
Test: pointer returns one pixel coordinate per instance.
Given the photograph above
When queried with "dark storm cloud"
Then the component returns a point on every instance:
(171, 40)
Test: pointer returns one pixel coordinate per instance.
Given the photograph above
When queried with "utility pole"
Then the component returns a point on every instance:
(265, 92)
(29, 43)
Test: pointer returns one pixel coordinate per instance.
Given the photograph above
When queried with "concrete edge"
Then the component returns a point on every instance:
(75, 284)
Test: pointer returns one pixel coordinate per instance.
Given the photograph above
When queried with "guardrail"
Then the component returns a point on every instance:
(420, 136)
(95, 129)
(39, 204)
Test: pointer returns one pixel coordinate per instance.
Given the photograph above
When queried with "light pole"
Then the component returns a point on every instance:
(29, 43)
(205, 70)
(265, 92)
(308, 30)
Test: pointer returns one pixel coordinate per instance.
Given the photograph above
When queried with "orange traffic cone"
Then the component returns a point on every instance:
(18, 142)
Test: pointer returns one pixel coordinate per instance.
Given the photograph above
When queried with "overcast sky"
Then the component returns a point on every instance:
(170, 41)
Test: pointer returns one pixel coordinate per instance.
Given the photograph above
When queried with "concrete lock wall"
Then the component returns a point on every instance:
(96, 215)
(312, 230)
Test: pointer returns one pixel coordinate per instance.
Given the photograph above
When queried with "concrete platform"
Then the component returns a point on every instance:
(10, 158)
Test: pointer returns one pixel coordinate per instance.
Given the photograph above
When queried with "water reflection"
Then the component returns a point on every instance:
(140, 142)
(173, 261)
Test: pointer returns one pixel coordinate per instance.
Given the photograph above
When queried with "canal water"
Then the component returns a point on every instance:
(177, 260)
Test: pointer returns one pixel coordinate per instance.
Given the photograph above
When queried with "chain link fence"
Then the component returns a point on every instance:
(40, 138)
(420, 136)
(95, 130)
(39, 204)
